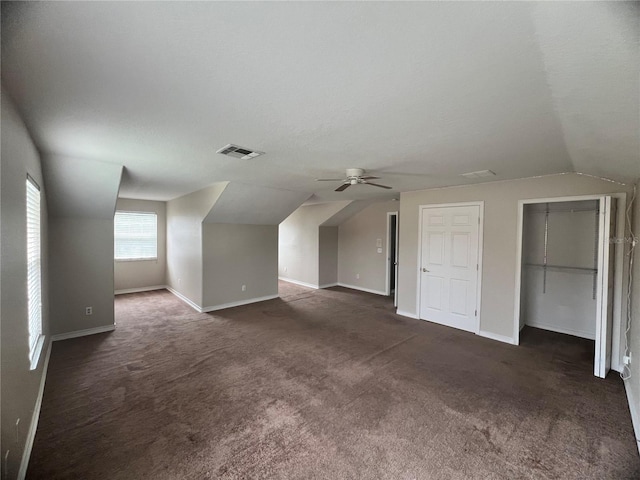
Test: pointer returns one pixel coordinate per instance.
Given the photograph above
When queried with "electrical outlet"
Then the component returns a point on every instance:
(88, 311)
(627, 359)
(244, 288)
(357, 276)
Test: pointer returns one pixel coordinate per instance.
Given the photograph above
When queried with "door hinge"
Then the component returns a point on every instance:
(477, 267)
(476, 313)
(478, 220)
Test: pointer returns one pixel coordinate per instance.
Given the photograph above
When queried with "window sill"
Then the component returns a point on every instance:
(154, 259)
(36, 353)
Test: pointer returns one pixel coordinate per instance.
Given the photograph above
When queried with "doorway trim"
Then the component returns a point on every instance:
(618, 266)
(480, 205)
(387, 286)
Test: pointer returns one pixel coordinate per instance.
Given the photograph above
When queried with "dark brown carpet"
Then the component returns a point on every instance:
(326, 384)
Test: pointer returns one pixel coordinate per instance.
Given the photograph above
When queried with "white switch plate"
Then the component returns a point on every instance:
(379, 250)
(379, 242)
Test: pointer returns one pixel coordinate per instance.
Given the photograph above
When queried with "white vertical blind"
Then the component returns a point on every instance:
(34, 291)
(135, 236)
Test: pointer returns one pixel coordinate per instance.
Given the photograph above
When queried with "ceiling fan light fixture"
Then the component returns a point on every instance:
(354, 177)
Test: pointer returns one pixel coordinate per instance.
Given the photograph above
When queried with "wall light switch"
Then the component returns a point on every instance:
(379, 250)
(379, 242)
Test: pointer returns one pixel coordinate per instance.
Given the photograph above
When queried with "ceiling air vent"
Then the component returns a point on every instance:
(239, 152)
(478, 174)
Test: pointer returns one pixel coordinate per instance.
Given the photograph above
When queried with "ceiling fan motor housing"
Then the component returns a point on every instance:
(354, 172)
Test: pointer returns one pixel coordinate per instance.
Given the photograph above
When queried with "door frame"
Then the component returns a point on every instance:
(618, 266)
(480, 205)
(387, 285)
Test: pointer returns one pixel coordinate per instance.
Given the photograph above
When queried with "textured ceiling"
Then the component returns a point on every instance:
(415, 92)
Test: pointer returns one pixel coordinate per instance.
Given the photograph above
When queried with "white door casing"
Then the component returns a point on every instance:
(604, 288)
(449, 265)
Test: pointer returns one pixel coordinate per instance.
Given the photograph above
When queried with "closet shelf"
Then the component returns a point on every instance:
(563, 267)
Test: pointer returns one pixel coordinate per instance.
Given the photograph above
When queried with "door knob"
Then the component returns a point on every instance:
(424, 269)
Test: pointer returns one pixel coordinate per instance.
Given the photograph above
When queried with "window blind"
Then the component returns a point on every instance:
(135, 236)
(34, 291)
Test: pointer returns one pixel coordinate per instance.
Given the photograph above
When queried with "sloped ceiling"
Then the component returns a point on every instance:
(416, 92)
(80, 188)
(347, 212)
(254, 205)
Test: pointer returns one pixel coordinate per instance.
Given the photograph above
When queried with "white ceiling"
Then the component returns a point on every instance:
(415, 92)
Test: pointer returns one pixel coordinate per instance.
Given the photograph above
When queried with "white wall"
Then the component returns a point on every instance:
(184, 241)
(633, 384)
(358, 251)
(236, 255)
(19, 385)
(500, 237)
(143, 273)
(84, 194)
(82, 262)
(299, 242)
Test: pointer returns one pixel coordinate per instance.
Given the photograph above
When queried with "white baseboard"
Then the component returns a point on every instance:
(407, 314)
(238, 303)
(329, 285)
(568, 331)
(362, 289)
(495, 336)
(297, 282)
(83, 333)
(192, 304)
(140, 289)
(635, 413)
(31, 434)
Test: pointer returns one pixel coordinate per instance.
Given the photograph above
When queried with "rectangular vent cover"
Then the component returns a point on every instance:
(239, 152)
(478, 174)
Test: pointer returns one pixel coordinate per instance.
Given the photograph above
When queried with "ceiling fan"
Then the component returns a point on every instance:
(354, 177)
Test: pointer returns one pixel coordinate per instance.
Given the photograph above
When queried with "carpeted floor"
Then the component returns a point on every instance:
(323, 384)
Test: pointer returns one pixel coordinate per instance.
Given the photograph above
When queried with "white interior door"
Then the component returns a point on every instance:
(449, 266)
(604, 288)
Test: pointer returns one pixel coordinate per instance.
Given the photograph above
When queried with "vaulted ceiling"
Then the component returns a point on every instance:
(417, 93)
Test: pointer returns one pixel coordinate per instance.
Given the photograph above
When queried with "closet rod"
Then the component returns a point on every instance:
(564, 210)
(561, 267)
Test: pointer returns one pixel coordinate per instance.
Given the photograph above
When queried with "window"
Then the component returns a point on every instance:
(136, 236)
(34, 266)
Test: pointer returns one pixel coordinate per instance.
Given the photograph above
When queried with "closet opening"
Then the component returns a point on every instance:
(566, 277)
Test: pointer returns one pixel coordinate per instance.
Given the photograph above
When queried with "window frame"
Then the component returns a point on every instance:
(33, 233)
(115, 237)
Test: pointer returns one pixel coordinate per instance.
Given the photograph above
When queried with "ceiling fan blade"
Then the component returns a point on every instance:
(377, 185)
(342, 187)
(329, 179)
(369, 178)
